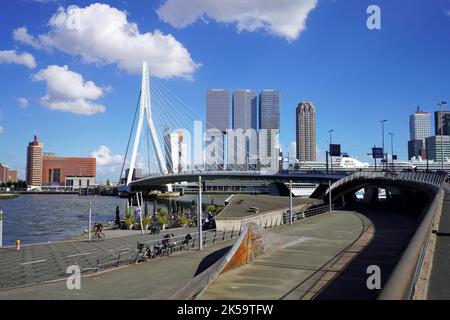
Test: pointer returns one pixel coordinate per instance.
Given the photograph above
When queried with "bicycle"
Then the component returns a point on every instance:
(144, 255)
(98, 236)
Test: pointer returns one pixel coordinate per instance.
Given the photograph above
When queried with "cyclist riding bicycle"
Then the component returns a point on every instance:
(98, 227)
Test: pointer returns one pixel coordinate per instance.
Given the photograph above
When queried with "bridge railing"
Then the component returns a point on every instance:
(402, 282)
(209, 237)
(433, 179)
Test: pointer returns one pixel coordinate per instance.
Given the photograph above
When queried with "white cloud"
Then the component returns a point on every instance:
(101, 34)
(22, 35)
(67, 91)
(11, 56)
(284, 18)
(108, 164)
(105, 157)
(23, 103)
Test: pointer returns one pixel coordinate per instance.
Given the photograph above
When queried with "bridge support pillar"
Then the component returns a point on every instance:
(370, 195)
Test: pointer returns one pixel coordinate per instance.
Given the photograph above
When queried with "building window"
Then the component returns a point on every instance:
(79, 183)
(56, 175)
(69, 183)
(87, 181)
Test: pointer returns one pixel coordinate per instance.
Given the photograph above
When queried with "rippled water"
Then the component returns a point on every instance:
(42, 218)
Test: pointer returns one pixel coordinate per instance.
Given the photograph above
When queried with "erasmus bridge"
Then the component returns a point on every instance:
(333, 245)
(156, 112)
(398, 237)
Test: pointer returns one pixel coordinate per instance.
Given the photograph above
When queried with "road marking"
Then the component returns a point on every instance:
(32, 262)
(78, 254)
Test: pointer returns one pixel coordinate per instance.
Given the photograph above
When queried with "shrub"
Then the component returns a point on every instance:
(163, 218)
(211, 208)
(183, 220)
(146, 220)
(129, 221)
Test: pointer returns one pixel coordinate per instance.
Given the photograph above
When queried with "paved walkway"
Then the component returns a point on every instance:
(290, 273)
(43, 262)
(130, 282)
(439, 286)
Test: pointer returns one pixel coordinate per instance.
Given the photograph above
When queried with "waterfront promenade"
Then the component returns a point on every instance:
(303, 271)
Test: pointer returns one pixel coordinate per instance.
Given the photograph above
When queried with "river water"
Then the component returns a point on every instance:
(41, 218)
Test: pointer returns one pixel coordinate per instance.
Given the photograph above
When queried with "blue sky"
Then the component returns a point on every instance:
(355, 76)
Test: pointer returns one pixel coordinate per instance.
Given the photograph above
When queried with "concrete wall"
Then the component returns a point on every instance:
(269, 219)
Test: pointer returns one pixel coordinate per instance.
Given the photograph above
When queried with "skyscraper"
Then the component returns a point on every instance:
(35, 152)
(269, 117)
(168, 149)
(4, 173)
(419, 125)
(442, 120)
(306, 131)
(419, 130)
(217, 123)
(218, 109)
(244, 109)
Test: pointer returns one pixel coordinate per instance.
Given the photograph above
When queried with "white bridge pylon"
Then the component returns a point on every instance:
(145, 108)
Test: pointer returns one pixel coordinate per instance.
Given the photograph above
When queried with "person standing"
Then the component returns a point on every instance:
(118, 217)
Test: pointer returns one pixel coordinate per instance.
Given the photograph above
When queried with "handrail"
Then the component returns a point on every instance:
(402, 280)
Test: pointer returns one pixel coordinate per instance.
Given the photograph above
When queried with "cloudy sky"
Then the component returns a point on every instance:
(70, 69)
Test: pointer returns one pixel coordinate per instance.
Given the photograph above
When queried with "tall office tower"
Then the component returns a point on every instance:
(306, 131)
(419, 130)
(419, 125)
(217, 123)
(442, 119)
(218, 109)
(269, 117)
(35, 152)
(244, 109)
(244, 117)
(168, 149)
(4, 173)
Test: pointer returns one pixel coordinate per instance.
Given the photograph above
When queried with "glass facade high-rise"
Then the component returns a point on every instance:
(419, 130)
(436, 149)
(306, 131)
(419, 125)
(244, 109)
(217, 123)
(269, 117)
(218, 109)
(442, 120)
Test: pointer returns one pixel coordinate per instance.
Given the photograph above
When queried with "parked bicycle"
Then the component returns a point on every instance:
(144, 253)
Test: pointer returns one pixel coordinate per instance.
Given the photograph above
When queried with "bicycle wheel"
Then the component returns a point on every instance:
(102, 236)
(95, 237)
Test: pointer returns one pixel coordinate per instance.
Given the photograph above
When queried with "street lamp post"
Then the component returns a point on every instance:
(199, 214)
(329, 150)
(392, 148)
(440, 104)
(382, 137)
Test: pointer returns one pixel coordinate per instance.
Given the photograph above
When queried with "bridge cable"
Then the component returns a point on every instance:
(131, 134)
